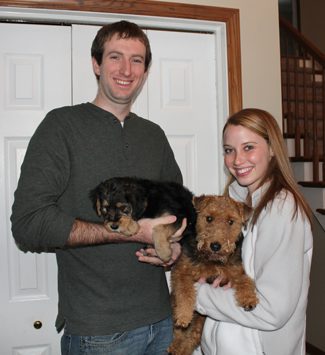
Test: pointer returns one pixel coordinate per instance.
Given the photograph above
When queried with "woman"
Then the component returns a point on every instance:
(276, 251)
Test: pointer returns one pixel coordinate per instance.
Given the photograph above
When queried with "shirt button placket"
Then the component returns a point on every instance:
(126, 147)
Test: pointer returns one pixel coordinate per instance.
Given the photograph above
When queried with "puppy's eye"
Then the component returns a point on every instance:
(230, 222)
(209, 219)
(104, 210)
(125, 210)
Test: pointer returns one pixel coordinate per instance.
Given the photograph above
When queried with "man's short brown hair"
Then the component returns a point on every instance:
(123, 29)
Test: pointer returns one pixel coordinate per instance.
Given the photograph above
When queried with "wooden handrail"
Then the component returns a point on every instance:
(300, 38)
(303, 97)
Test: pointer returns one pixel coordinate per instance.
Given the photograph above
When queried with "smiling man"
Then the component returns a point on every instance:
(109, 302)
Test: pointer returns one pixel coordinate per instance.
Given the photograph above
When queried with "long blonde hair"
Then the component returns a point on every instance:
(279, 172)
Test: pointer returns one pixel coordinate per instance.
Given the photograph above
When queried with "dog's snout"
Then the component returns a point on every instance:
(114, 226)
(215, 246)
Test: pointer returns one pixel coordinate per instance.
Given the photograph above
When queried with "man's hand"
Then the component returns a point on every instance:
(149, 255)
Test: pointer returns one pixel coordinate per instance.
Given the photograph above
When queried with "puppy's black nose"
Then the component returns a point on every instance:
(114, 226)
(215, 246)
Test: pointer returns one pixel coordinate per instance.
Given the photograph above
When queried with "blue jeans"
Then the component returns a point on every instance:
(153, 339)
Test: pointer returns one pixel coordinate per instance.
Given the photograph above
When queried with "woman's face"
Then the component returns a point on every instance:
(246, 155)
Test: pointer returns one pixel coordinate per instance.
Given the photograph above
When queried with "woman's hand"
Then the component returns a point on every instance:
(217, 282)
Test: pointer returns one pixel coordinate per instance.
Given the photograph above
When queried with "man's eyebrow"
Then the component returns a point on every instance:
(137, 55)
(115, 51)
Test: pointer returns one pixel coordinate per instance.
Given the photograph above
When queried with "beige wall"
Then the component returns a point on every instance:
(259, 29)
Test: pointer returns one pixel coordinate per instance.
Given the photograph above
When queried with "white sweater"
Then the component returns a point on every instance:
(277, 255)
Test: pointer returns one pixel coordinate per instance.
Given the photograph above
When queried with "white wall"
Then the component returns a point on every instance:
(259, 28)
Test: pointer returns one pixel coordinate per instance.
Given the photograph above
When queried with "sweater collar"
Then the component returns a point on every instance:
(107, 113)
(239, 193)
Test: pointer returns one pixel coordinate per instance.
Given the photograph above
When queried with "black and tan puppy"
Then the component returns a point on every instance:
(122, 201)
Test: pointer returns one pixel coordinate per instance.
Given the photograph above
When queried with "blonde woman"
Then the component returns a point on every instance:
(277, 247)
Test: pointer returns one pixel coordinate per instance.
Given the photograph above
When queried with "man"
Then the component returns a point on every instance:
(109, 302)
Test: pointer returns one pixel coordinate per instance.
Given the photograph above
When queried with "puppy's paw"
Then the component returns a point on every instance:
(249, 308)
(132, 228)
(183, 322)
(250, 303)
(162, 247)
(125, 226)
(247, 301)
(164, 254)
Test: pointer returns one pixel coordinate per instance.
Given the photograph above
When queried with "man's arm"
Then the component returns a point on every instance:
(85, 233)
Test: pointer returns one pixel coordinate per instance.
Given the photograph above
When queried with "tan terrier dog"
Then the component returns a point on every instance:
(214, 252)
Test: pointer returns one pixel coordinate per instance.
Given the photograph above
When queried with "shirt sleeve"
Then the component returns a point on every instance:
(38, 224)
(281, 266)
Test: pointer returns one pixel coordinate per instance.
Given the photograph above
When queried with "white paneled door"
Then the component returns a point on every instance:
(183, 101)
(37, 63)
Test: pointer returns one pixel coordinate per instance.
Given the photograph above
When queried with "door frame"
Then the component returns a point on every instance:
(153, 14)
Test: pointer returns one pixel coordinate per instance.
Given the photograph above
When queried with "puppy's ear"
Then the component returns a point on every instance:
(101, 206)
(93, 195)
(140, 206)
(138, 201)
(99, 198)
(98, 209)
(197, 201)
(246, 212)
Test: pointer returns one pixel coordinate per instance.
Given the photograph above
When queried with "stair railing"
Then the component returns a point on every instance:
(303, 98)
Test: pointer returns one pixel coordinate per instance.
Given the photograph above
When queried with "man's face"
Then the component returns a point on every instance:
(122, 71)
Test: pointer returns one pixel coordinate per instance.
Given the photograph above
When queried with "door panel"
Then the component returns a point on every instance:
(84, 80)
(35, 62)
(183, 100)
